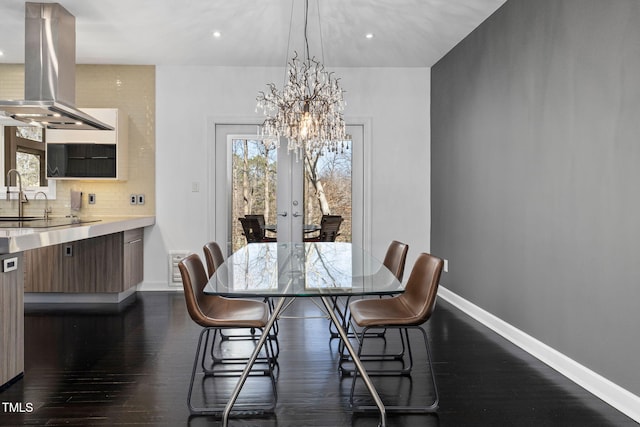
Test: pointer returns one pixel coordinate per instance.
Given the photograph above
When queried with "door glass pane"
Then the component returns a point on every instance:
(253, 186)
(327, 187)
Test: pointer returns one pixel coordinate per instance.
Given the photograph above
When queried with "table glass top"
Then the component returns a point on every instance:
(302, 269)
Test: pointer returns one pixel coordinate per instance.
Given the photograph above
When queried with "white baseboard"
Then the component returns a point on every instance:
(616, 396)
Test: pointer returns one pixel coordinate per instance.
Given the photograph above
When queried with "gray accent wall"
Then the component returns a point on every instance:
(535, 141)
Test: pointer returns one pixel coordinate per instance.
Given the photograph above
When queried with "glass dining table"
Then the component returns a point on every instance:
(323, 270)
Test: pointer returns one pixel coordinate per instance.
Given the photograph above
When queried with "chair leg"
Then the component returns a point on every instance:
(204, 348)
(366, 333)
(192, 409)
(414, 409)
(209, 346)
(270, 359)
(204, 336)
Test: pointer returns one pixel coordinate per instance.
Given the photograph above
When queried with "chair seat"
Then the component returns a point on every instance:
(235, 313)
(383, 312)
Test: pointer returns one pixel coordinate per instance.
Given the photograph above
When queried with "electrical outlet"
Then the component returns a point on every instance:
(141, 199)
(446, 266)
(92, 199)
(133, 199)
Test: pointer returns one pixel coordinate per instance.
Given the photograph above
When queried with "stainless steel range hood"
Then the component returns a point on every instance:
(50, 72)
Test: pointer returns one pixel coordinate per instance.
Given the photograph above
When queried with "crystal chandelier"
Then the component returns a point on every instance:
(308, 110)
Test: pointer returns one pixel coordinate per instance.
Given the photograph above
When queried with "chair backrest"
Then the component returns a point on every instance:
(396, 258)
(259, 217)
(422, 287)
(329, 226)
(194, 279)
(213, 256)
(252, 230)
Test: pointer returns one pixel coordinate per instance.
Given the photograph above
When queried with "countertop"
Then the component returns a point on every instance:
(14, 240)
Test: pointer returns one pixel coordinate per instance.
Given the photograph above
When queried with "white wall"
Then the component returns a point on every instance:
(395, 100)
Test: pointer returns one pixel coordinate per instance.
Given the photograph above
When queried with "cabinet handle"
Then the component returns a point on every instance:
(134, 241)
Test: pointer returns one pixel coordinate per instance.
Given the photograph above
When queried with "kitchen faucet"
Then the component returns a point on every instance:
(47, 209)
(21, 196)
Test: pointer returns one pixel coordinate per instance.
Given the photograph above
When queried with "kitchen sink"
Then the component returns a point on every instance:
(36, 222)
(19, 218)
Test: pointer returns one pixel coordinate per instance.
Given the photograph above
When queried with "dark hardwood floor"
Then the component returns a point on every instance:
(130, 365)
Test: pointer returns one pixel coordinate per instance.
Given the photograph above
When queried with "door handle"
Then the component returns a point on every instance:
(282, 213)
(296, 214)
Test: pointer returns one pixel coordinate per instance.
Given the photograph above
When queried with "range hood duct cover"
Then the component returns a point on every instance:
(50, 72)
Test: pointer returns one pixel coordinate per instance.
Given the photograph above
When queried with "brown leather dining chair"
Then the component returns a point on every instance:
(216, 313)
(394, 260)
(409, 310)
(214, 259)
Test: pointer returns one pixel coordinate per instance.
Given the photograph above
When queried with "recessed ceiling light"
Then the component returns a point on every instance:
(217, 34)
(1, 53)
(369, 35)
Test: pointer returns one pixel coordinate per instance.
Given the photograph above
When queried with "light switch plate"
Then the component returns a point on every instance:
(92, 199)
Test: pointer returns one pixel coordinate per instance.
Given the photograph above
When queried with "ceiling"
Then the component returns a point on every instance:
(407, 33)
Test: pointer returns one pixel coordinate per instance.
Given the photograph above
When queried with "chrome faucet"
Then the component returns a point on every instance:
(47, 209)
(21, 196)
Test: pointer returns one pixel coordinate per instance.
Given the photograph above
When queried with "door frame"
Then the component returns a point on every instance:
(218, 226)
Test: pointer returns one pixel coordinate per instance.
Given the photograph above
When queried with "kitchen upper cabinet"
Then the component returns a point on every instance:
(90, 154)
(106, 264)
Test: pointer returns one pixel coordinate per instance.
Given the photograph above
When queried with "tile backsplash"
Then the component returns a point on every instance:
(130, 88)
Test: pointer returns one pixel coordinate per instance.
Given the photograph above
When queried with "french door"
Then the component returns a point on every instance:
(257, 178)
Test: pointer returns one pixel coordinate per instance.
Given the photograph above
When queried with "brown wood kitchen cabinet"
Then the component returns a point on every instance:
(11, 319)
(104, 264)
(133, 267)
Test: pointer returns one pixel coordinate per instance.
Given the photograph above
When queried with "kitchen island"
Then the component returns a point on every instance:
(19, 239)
(88, 260)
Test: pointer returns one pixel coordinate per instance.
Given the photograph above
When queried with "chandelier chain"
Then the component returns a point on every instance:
(320, 32)
(286, 54)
